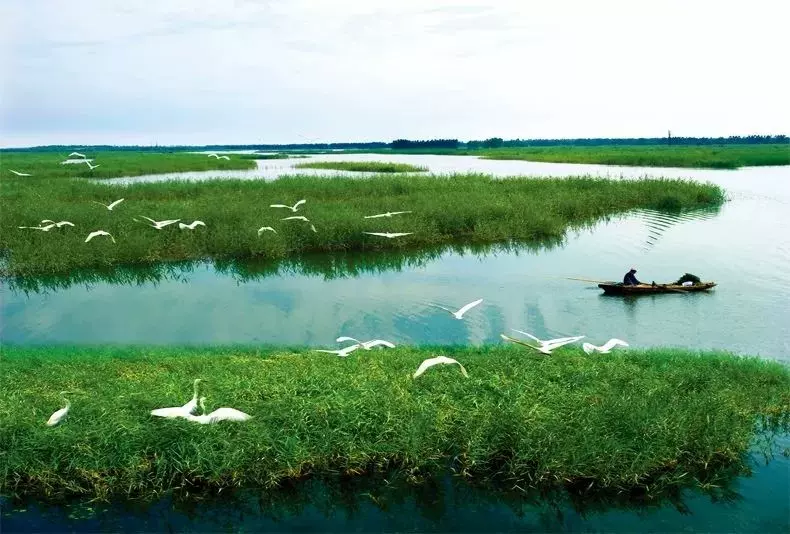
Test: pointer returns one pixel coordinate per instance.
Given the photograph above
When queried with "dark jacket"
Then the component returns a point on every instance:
(629, 279)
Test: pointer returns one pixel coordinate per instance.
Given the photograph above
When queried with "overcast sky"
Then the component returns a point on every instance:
(258, 71)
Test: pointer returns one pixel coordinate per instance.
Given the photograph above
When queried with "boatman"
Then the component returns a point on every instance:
(629, 279)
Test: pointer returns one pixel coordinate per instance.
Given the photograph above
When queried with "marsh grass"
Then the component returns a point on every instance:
(362, 166)
(447, 210)
(629, 420)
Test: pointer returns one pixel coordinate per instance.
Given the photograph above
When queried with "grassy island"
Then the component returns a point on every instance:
(644, 419)
(457, 209)
(361, 166)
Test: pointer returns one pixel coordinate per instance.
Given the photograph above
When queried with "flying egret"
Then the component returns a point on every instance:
(439, 360)
(223, 157)
(59, 224)
(341, 352)
(220, 414)
(20, 173)
(98, 233)
(159, 224)
(296, 218)
(293, 208)
(341, 339)
(388, 235)
(388, 214)
(266, 228)
(544, 346)
(312, 227)
(59, 415)
(367, 345)
(111, 205)
(76, 154)
(192, 226)
(213, 155)
(606, 348)
(46, 228)
(181, 411)
(91, 167)
(460, 313)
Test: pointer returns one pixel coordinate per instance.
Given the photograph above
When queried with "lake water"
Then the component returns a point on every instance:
(744, 246)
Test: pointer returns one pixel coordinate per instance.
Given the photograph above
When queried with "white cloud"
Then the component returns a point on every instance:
(186, 71)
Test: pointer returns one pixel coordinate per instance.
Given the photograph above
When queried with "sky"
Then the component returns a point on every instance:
(258, 71)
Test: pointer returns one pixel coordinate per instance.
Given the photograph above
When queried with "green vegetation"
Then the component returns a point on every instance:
(361, 166)
(720, 157)
(458, 209)
(642, 420)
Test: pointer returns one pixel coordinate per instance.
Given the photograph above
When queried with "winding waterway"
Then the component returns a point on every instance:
(743, 245)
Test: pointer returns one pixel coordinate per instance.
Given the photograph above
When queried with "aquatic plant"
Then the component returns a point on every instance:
(361, 166)
(621, 422)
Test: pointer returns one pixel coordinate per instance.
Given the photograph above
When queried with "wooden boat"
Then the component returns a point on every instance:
(616, 288)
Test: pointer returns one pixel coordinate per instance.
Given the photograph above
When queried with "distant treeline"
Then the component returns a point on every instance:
(408, 144)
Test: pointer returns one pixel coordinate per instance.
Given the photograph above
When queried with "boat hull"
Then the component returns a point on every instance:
(613, 288)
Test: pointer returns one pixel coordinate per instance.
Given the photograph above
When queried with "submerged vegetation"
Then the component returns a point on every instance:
(458, 209)
(637, 420)
(361, 166)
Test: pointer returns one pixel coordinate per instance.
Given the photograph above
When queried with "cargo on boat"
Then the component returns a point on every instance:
(617, 288)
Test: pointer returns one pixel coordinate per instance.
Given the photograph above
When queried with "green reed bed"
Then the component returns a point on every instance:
(458, 209)
(719, 157)
(361, 166)
(638, 419)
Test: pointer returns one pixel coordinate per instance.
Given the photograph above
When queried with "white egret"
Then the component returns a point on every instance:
(191, 226)
(341, 339)
(544, 346)
(266, 228)
(213, 155)
(223, 157)
(439, 360)
(341, 352)
(460, 313)
(296, 218)
(388, 235)
(98, 233)
(312, 227)
(58, 224)
(605, 348)
(159, 224)
(59, 415)
(45, 228)
(111, 205)
(388, 214)
(220, 414)
(91, 167)
(20, 173)
(77, 154)
(293, 208)
(367, 345)
(181, 411)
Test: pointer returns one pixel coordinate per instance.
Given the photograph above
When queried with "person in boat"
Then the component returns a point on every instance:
(630, 279)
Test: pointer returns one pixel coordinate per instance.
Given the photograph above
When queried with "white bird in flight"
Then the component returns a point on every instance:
(367, 345)
(213, 155)
(45, 228)
(191, 226)
(439, 360)
(342, 352)
(20, 173)
(159, 224)
(88, 163)
(296, 218)
(223, 157)
(111, 205)
(59, 415)
(544, 346)
(605, 348)
(220, 414)
(293, 208)
(460, 313)
(76, 154)
(266, 228)
(58, 224)
(181, 411)
(388, 214)
(388, 235)
(98, 233)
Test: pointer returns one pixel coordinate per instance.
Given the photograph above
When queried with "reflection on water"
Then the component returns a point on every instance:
(717, 501)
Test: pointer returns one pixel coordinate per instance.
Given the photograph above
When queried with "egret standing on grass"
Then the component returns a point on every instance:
(181, 411)
(606, 348)
(20, 173)
(460, 313)
(388, 214)
(98, 233)
(191, 226)
(59, 415)
(220, 414)
(388, 235)
(293, 208)
(439, 360)
(111, 205)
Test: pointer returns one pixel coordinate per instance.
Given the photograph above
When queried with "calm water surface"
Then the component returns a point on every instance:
(743, 245)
